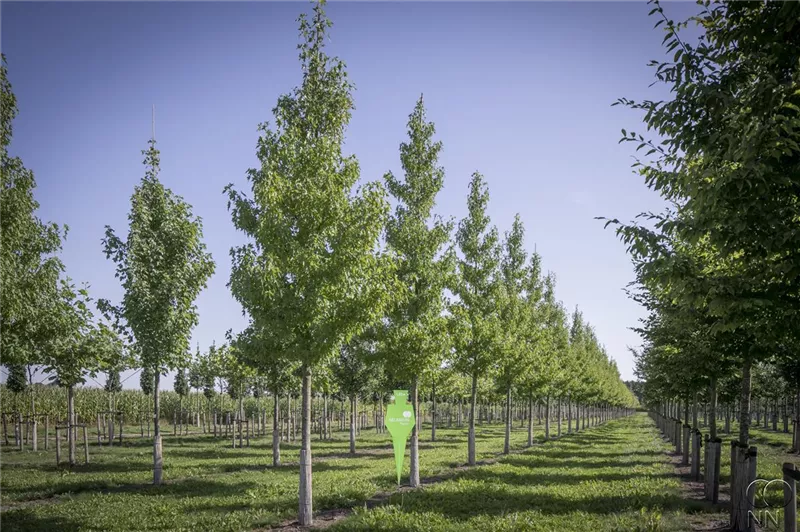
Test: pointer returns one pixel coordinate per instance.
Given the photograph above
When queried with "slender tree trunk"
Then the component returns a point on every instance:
(507, 442)
(276, 431)
(433, 413)
(473, 406)
(306, 517)
(744, 406)
(530, 421)
(414, 469)
(547, 418)
(569, 415)
(71, 423)
(353, 410)
(158, 459)
(558, 415)
(712, 409)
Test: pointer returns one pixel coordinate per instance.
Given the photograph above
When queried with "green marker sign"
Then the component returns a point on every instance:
(400, 422)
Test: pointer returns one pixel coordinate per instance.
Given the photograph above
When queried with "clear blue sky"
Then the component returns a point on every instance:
(521, 92)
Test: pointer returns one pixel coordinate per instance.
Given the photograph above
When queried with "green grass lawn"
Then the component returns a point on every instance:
(612, 477)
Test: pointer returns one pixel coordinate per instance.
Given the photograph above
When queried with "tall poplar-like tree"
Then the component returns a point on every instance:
(475, 318)
(311, 274)
(512, 359)
(415, 336)
(163, 265)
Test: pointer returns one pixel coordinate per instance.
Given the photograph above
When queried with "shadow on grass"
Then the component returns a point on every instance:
(539, 479)
(487, 500)
(25, 520)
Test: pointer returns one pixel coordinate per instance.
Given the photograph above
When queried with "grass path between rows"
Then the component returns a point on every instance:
(617, 476)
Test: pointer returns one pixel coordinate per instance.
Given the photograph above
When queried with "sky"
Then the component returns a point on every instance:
(521, 92)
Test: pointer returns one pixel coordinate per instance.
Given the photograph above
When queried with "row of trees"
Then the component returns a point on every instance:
(718, 271)
(335, 284)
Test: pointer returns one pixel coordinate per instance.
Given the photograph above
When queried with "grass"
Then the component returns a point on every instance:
(612, 477)
(615, 477)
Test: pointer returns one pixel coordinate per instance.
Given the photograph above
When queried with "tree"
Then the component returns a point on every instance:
(415, 336)
(29, 267)
(311, 276)
(17, 380)
(113, 384)
(77, 347)
(512, 356)
(181, 387)
(163, 266)
(475, 320)
(353, 373)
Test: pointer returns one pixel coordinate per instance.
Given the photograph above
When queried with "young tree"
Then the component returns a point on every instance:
(77, 347)
(475, 320)
(415, 336)
(181, 387)
(163, 266)
(311, 275)
(353, 373)
(512, 356)
(16, 382)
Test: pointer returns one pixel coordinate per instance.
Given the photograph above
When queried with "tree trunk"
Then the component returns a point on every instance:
(353, 409)
(569, 415)
(306, 517)
(433, 413)
(471, 436)
(413, 477)
(530, 421)
(507, 442)
(276, 432)
(712, 409)
(158, 459)
(558, 415)
(744, 406)
(547, 418)
(71, 424)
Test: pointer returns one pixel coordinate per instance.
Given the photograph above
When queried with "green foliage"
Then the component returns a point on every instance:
(30, 269)
(77, 346)
(163, 266)
(17, 380)
(181, 385)
(475, 323)
(147, 380)
(310, 279)
(355, 368)
(415, 339)
(113, 384)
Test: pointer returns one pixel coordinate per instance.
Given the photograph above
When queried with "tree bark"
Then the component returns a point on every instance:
(547, 418)
(744, 406)
(712, 409)
(507, 442)
(414, 466)
(433, 413)
(530, 421)
(158, 459)
(353, 410)
(276, 431)
(71, 423)
(306, 517)
(558, 415)
(471, 436)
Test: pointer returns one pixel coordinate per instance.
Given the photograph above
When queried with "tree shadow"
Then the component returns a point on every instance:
(26, 520)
